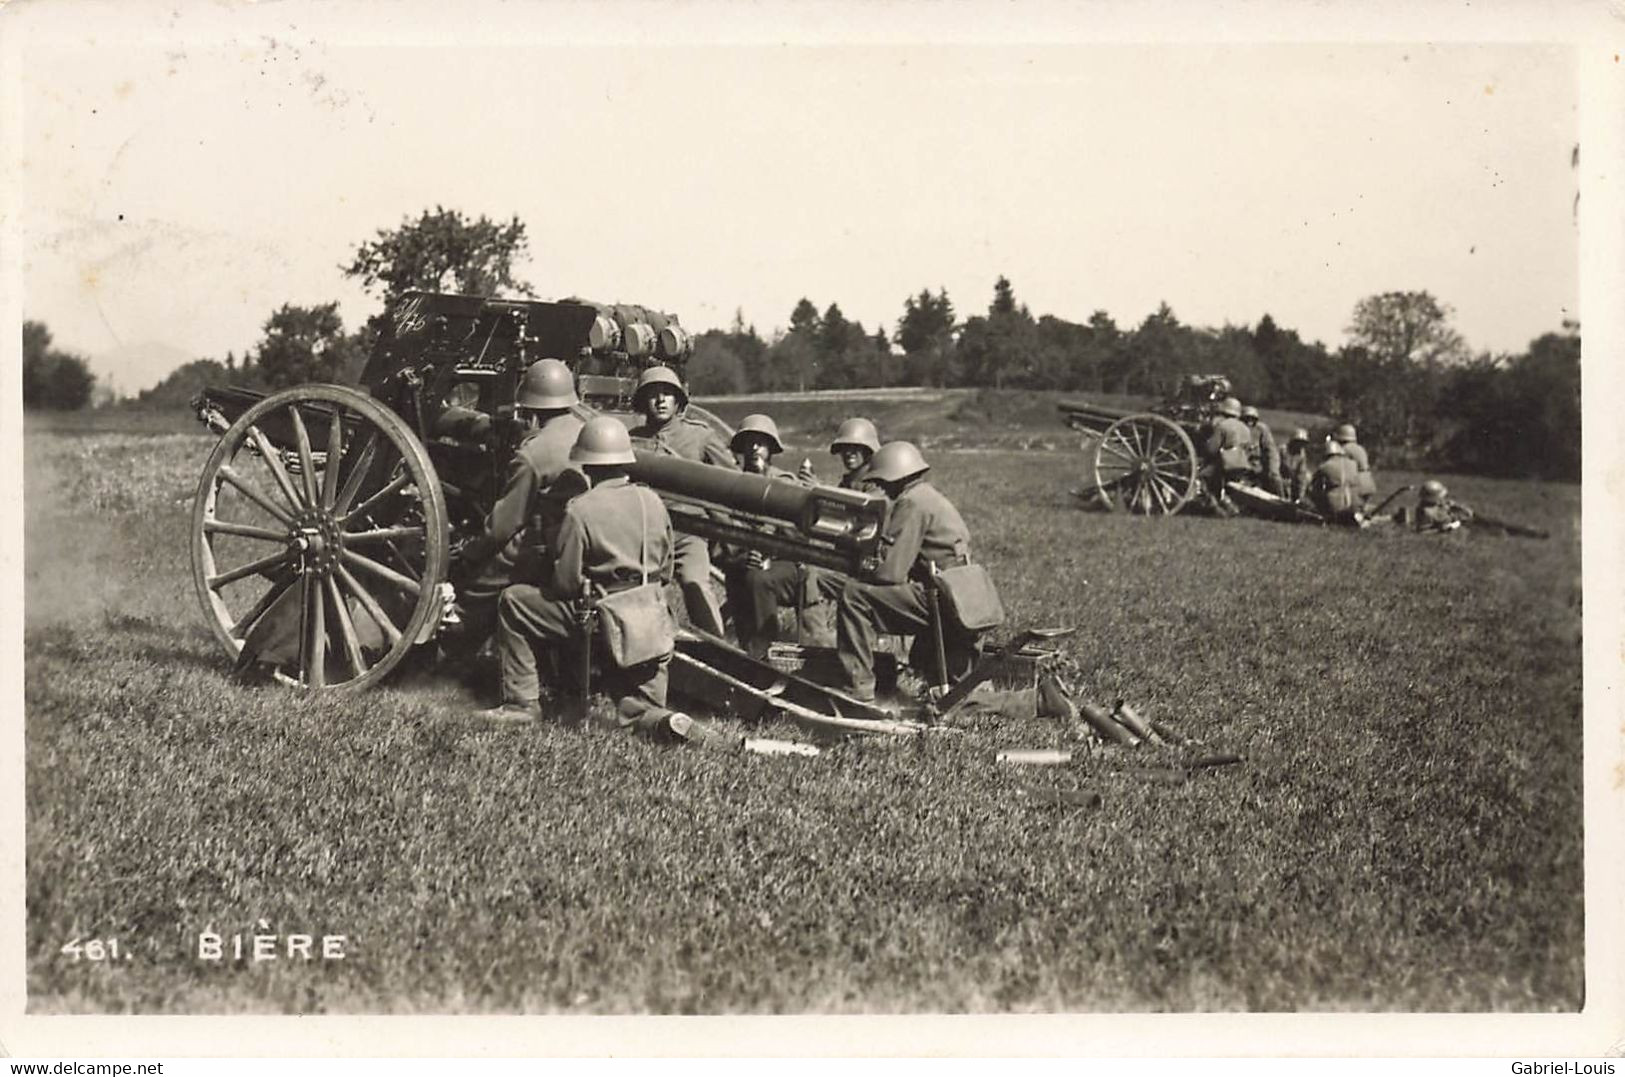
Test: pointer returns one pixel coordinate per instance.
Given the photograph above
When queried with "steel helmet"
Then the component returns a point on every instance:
(1300, 434)
(1345, 433)
(1249, 412)
(860, 432)
(659, 375)
(603, 440)
(1334, 449)
(548, 384)
(761, 425)
(1230, 406)
(1433, 491)
(896, 461)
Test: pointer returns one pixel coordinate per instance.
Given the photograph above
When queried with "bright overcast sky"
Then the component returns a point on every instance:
(182, 181)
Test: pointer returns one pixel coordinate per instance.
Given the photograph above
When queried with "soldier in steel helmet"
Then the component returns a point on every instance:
(1296, 467)
(855, 444)
(1262, 454)
(661, 399)
(758, 585)
(1435, 511)
(512, 545)
(1226, 447)
(1334, 491)
(613, 536)
(923, 530)
(1344, 435)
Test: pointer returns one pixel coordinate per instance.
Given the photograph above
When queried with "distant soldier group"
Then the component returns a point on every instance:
(572, 536)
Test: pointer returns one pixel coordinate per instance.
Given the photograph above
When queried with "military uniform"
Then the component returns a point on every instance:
(505, 553)
(1296, 473)
(1264, 457)
(923, 529)
(1368, 482)
(613, 536)
(755, 594)
(691, 439)
(1225, 446)
(1334, 491)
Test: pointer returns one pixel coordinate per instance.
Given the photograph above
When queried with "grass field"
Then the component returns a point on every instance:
(1405, 833)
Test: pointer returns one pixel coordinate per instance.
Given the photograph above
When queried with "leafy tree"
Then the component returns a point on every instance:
(442, 251)
(1406, 327)
(304, 344)
(52, 379)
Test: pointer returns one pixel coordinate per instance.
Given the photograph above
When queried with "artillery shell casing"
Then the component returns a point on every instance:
(1166, 732)
(1130, 719)
(1104, 727)
(1034, 757)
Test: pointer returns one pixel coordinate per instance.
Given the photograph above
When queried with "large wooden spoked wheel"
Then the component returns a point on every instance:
(319, 537)
(1145, 464)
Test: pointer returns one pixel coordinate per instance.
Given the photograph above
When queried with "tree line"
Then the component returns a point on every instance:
(1403, 375)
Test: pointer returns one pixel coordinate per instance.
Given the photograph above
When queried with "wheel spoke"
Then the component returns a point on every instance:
(218, 581)
(335, 455)
(358, 473)
(252, 492)
(273, 459)
(227, 527)
(246, 621)
(352, 642)
(1156, 493)
(382, 534)
(1176, 479)
(1129, 457)
(389, 488)
(313, 643)
(383, 572)
(368, 603)
(307, 462)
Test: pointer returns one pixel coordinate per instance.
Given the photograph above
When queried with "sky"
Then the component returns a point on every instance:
(180, 181)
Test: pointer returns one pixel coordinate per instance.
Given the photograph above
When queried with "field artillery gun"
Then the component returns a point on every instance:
(328, 518)
(1145, 462)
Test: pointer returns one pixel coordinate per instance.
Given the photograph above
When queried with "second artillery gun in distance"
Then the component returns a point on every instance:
(1146, 462)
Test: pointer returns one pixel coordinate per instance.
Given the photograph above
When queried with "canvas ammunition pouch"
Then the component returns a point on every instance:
(969, 597)
(635, 623)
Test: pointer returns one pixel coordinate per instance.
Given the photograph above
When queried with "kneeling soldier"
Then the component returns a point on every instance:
(758, 585)
(661, 399)
(613, 537)
(1226, 448)
(505, 552)
(1262, 454)
(1296, 468)
(1334, 492)
(923, 530)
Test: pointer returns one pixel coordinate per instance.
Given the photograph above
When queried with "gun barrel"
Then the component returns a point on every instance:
(844, 517)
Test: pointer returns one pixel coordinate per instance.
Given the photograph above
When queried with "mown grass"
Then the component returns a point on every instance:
(1405, 834)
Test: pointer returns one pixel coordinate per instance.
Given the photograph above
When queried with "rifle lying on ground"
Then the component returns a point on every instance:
(1505, 526)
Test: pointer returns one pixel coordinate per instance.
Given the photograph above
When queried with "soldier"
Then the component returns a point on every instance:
(758, 585)
(1344, 436)
(1334, 491)
(1296, 469)
(856, 443)
(1225, 446)
(923, 529)
(661, 398)
(508, 550)
(1435, 512)
(1262, 454)
(614, 536)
